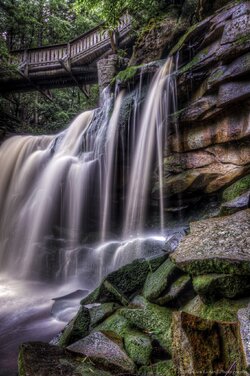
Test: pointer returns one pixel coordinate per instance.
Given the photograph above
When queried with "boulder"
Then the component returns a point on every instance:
(179, 292)
(116, 324)
(102, 350)
(239, 203)
(159, 280)
(119, 285)
(138, 347)
(101, 312)
(214, 286)
(77, 328)
(206, 346)
(152, 319)
(220, 310)
(217, 245)
(244, 320)
(42, 359)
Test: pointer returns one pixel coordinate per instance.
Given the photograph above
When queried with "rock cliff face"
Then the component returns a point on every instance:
(212, 150)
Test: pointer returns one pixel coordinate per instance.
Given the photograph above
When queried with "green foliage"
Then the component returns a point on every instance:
(111, 10)
(127, 74)
(237, 188)
(37, 115)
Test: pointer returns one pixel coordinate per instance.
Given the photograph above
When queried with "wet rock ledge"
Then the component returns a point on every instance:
(182, 313)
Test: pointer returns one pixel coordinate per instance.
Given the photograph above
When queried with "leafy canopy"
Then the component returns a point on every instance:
(110, 11)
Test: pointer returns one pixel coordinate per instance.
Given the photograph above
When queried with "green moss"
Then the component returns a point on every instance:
(222, 310)
(237, 189)
(138, 347)
(158, 281)
(242, 40)
(116, 323)
(212, 286)
(21, 369)
(183, 40)
(101, 312)
(216, 266)
(120, 284)
(76, 329)
(152, 319)
(164, 368)
(127, 74)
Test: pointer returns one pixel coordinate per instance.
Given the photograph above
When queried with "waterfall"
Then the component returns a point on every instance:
(74, 207)
(57, 190)
(52, 186)
(150, 146)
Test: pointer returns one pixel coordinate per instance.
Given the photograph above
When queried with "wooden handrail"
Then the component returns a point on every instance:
(53, 54)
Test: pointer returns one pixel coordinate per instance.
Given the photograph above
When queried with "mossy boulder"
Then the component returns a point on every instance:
(138, 347)
(239, 203)
(180, 291)
(116, 324)
(100, 349)
(77, 328)
(159, 280)
(221, 310)
(152, 319)
(122, 283)
(101, 312)
(164, 368)
(217, 245)
(206, 345)
(214, 286)
(42, 359)
(237, 189)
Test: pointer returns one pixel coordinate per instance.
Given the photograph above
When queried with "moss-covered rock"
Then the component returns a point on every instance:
(213, 286)
(206, 345)
(103, 351)
(179, 292)
(116, 324)
(217, 245)
(237, 189)
(159, 280)
(101, 312)
(138, 347)
(152, 319)
(239, 203)
(164, 368)
(42, 359)
(76, 328)
(221, 310)
(124, 282)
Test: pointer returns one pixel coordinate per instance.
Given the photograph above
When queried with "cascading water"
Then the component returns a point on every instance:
(151, 143)
(57, 190)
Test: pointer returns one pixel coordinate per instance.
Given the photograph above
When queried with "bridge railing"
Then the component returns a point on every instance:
(51, 55)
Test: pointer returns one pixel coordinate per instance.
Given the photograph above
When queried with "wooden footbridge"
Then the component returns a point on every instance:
(62, 65)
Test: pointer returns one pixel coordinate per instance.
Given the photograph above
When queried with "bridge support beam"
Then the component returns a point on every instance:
(108, 68)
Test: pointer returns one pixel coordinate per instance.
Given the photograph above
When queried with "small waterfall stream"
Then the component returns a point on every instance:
(56, 192)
